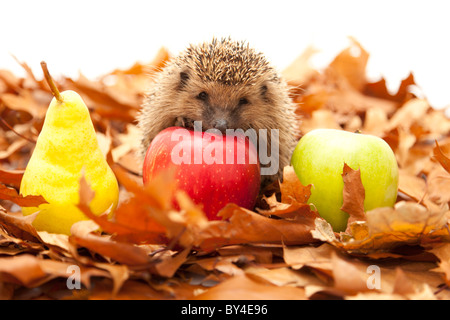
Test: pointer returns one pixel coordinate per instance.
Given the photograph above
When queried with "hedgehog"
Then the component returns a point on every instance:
(225, 84)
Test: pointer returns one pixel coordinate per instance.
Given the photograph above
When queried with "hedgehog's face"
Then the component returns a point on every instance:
(224, 106)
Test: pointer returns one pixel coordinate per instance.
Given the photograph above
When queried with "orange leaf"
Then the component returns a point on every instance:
(350, 64)
(379, 89)
(11, 194)
(121, 252)
(442, 252)
(132, 223)
(245, 226)
(246, 287)
(19, 225)
(284, 210)
(292, 189)
(441, 157)
(11, 177)
(354, 194)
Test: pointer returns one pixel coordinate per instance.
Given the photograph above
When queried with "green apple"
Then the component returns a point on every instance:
(319, 157)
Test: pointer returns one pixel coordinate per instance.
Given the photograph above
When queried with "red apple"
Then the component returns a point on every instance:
(213, 169)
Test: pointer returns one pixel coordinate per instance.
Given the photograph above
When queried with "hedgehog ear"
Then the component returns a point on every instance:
(264, 90)
(184, 77)
(265, 94)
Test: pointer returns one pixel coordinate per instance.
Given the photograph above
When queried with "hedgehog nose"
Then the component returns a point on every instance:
(221, 125)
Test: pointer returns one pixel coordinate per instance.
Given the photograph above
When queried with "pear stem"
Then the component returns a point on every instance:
(50, 82)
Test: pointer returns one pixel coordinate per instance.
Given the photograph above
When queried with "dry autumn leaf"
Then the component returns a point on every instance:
(7, 193)
(353, 195)
(248, 288)
(245, 226)
(11, 177)
(350, 64)
(387, 228)
(443, 160)
(292, 189)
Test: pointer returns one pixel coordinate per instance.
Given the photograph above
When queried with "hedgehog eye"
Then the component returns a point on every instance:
(243, 101)
(202, 96)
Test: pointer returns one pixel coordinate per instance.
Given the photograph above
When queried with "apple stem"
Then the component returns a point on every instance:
(50, 82)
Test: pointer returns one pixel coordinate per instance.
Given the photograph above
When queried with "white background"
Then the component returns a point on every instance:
(94, 37)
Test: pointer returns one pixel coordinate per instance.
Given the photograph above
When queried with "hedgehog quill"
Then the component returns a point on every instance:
(223, 84)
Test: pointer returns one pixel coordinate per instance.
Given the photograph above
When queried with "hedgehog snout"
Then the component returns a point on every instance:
(221, 124)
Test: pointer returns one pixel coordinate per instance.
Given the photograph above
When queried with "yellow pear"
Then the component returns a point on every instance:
(66, 148)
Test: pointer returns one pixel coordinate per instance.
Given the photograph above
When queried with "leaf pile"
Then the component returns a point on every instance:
(282, 250)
